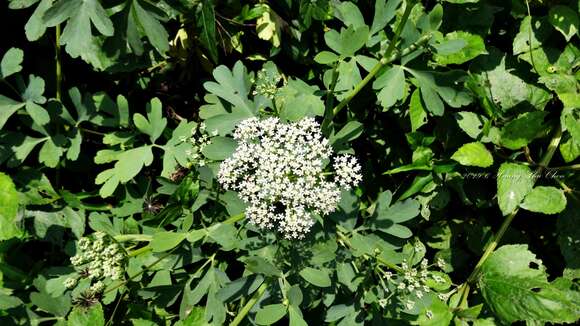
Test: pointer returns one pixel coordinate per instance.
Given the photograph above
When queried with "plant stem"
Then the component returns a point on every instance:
(139, 251)
(569, 167)
(330, 99)
(133, 237)
(248, 306)
(234, 219)
(58, 64)
(387, 58)
(491, 247)
(508, 220)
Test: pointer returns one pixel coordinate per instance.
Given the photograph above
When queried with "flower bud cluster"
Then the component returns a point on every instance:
(413, 282)
(267, 83)
(198, 140)
(278, 170)
(98, 258)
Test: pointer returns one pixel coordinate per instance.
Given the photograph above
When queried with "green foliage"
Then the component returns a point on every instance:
(513, 273)
(115, 117)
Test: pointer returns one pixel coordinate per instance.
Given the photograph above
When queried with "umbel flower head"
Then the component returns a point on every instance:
(99, 258)
(278, 169)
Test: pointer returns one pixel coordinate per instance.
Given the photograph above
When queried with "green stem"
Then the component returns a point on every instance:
(491, 247)
(387, 58)
(234, 219)
(58, 64)
(508, 220)
(139, 251)
(133, 237)
(569, 167)
(330, 98)
(248, 306)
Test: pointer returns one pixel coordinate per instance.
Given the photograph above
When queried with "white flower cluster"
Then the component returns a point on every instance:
(278, 170)
(98, 258)
(198, 140)
(412, 282)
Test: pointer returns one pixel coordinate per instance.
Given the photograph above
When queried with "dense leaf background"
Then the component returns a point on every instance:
(465, 115)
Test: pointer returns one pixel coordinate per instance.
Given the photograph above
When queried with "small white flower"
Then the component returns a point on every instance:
(383, 303)
(278, 170)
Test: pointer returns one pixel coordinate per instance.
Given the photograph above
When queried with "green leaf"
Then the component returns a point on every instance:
(146, 17)
(337, 312)
(7, 108)
(176, 148)
(494, 82)
(417, 112)
(437, 85)
(439, 314)
(547, 200)
(81, 316)
(569, 238)
(35, 27)
(392, 85)
(514, 182)
(348, 77)
(34, 90)
(9, 202)
(79, 14)
(220, 148)
(297, 100)
(348, 41)
(242, 287)
(570, 149)
(539, 33)
(207, 30)
(389, 216)
(295, 316)
(154, 124)
(295, 295)
(565, 20)
(37, 113)
(515, 286)
(316, 277)
(349, 132)
(472, 46)
(572, 123)
(128, 165)
(50, 153)
(58, 306)
(473, 154)
(268, 26)
(232, 86)
(349, 14)
(270, 314)
(522, 130)
(383, 14)
(473, 125)
(260, 265)
(11, 62)
(164, 241)
(326, 57)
